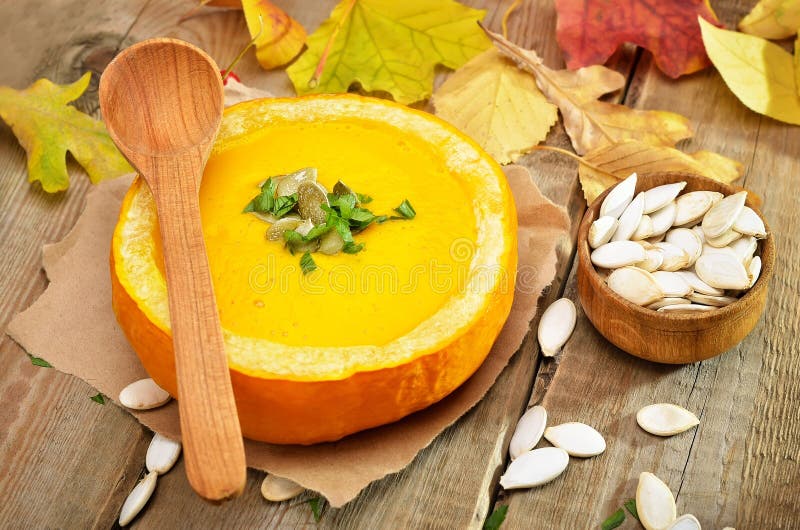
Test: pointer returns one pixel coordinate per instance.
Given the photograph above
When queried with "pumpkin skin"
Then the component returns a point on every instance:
(333, 390)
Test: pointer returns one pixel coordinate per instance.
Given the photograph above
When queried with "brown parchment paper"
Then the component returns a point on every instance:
(73, 327)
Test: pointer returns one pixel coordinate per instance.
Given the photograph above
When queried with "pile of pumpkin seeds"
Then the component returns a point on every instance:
(308, 218)
(669, 251)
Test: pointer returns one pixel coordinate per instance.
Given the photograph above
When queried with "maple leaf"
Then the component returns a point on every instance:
(590, 123)
(278, 37)
(760, 73)
(589, 31)
(388, 46)
(497, 104)
(47, 128)
(772, 19)
(608, 165)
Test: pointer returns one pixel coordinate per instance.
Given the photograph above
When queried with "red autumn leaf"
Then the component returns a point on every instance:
(589, 31)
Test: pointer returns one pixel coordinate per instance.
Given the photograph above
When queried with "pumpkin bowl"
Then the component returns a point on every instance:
(672, 338)
(367, 338)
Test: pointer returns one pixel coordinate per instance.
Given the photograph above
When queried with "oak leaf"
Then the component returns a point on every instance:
(388, 46)
(47, 128)
(590, 123)
(772, 19)
(590, 31)
(760, 73)
(604, 167)
(279, 37)
(497, 104)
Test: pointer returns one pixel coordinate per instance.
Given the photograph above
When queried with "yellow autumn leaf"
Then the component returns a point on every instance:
(591, 123)
(604, 167)
(280, 37)
(796, 63)
(772, 19)
(497, 104)
(759, 72)
(47, 127)
(388, 46)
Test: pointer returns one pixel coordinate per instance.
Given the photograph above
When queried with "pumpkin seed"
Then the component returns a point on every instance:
(750, 224)
(644, 230)
(143, 394)
(137, 498)
(663, 218)
(530, 428)
(629, 220)
(331, 243)
(340, 188)
(744, 248)
(698, 285)
(668, 301)
(618, 254)
(754, 270)
(658, 197)
(716, 301)
(266, 217)
(577, 439)
(601, 230)
(635, 285)
(289, 184)
(675, 258)
(722, 270)
(277, 489)
(684, 307)
(619, 198)
(724, 240)
(654, 503)
(693, 206)
(275, 232)
(721, 216)
(665, 419)
(653, 260)
(687, 240)
(310, 197)
(697, 229)
(162, 453)
(535, 468)
(655, 239)
(556, 326)
(685, 522)
(672, 284)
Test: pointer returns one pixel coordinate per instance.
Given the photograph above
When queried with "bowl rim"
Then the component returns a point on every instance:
(766, 247)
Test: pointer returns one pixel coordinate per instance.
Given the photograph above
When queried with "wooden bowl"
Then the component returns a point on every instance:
(673, 338)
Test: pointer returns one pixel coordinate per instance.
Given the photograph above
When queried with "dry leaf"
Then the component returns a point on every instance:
(590, 123)
(796, 62)
(47, 128)
(608, 165)
(236, 91)
(388, 46)
(280, 39)
(497, 104)
(772, 19)
(759, 72)
(589, 31)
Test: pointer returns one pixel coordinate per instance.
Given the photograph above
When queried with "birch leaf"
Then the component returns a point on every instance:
(47, 127)
(759, 72)
(281, 37)
(590, 123)
(772, 19)
(608, 165)
(388, 46)
(497, 104)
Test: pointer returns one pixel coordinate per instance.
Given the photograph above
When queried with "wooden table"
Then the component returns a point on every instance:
(68, 462)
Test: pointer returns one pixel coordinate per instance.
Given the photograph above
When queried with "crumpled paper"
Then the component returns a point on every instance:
(73, 327)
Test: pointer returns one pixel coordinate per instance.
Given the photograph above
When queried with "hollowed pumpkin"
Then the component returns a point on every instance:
(367, 338)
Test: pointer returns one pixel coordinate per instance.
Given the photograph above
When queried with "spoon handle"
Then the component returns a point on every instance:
(212, 437)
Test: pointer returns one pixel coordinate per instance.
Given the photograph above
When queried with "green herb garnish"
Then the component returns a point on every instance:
(406, 210)
(267, 203)
(614, 520)
(99, 398)
(307, 263)
(630, 505)
(363, 199)
(352, 248)
(316, 505)
(38, 361)
(494, 521)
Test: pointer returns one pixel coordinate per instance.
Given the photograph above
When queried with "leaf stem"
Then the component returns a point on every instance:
(572, 155)
(513, 7)
(238, 58)
(314, 81)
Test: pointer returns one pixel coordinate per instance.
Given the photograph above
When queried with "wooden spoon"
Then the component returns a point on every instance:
(162, 102)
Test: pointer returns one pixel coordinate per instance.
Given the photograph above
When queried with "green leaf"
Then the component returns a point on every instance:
(363, 199)
(316, 507)
(614, 520)
(99, 398)
(47, 128)
(352, 248)
(388, 46)
(307, 263)
(630, 505)
(406, 210)
(38, 361)
(494, 521)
